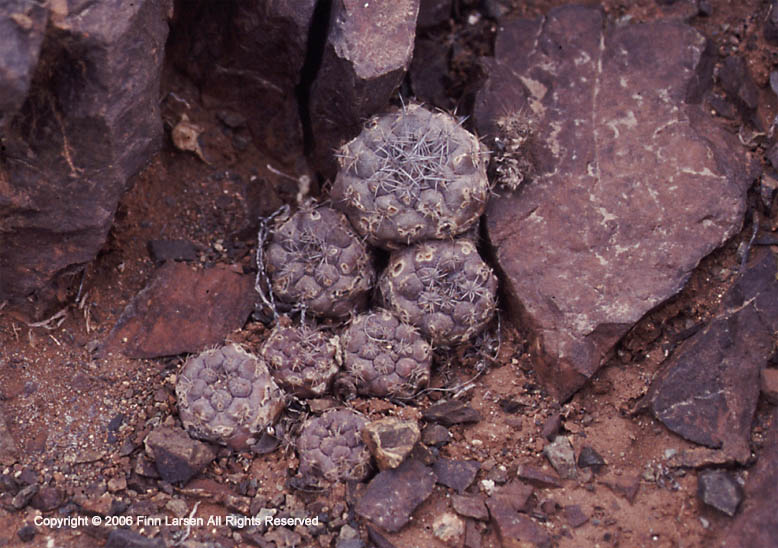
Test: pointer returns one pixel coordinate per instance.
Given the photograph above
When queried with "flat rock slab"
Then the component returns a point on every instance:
(515, 530)
(177, 457)
(449, 413)
(632, 184)
(708, 390)
(183, 310)
(393, 495)
(757, 523)
(457, 474)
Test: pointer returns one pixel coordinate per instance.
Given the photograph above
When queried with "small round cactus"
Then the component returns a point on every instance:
(227, 396)
(331, 447)
(411, 175)
(384, 356)
(442, 287)
(303, 360)
(316, 259)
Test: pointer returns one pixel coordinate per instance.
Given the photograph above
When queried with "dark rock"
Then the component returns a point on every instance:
(350, 543)
(47, 499)
(722, 106)
(433, 13)
(368, 49)
(627, 165)
(575, 516)
(708, 390)
(561, 456)
(378, 540)
(71, 147)
(769, 385)
(514, 529)
(435, 435)
(171, 250)
(177, 457)
(248, 58)
(757, 522)
(774, 83)
(472, 535)
(8, 450)
(27, 533)
(22, 26)
(704, 8)
(510, 405)
(772, 156)
(771, 24)
(124, 538)
(457, 474)
(8, 484)
(551, 426)
(391, 497)
(24, 496)
(590, 458)
(429, 73)
(183, 310)
(537, 477)
(451, 412)
(720, 490)
(736, 80)
(390, 440)
(626, 487)
(471, 507)
(515, 495)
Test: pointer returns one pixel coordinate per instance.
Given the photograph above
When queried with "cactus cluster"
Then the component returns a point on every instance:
(302, 359)
(410, 176)
(384, 356)
(227, 396)
(331, 447)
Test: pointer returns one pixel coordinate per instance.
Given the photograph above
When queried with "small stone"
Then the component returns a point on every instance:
(176, 456)
(24, 496)
(435, 435)
(47, 499)
(98, 504)
(514, 529)
(118, 483)
(125, 538)
(178, 507)
(537, 477)
(499, 474)
(457, 474)
(378, 540)
(737, 82)
(575, 516)
(769, 385)
(720, 490)
(470, 507)
(451, 412)
(171, 250)
(551, 426)
(561, 456)
(589, 458)
(27, 533)
(472, 535)
(515, 495)
(8, 450)
(449, 528)
(390, 440)
(626, 487)
(350, 543)
(391, 497)
(774, 85)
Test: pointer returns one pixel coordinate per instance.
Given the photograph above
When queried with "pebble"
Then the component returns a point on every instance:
(435, 435)
(457, 474)
(448, 528)
(561, 456)
(470, 506)
(390, 440)
(450, 413)
(718, 489)
(27, 533)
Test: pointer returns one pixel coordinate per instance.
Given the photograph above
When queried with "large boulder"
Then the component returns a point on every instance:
(632, 186)
(90, 120)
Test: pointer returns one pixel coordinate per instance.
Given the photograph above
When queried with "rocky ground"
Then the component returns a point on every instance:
(627, 394)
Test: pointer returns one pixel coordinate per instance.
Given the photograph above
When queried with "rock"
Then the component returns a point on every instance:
(627, 487)
(8, 449)
(391, 497)
(771, 24)
(737, 82)
(249, 60)
(537, 477)
(433, 12)
(626, 166)
(125, 538)
(575, 516)
(457, 474)
(435, 435)
(449, 529)
(429, 73)
(183, 310)
(377, 538)
(720, 490)
(47, 499)
(515, 495)
(551, 426)
(472, 535)
(769, 385)
(24, 496)
(176, 456)
(171, 250)
(22, 26)
(27, 533)
(368, 49)
(561, 456)
(451, 412)
(589, 458)
(80, 134)
(390, 440)
(757, 522)
(350, 543)
(97, 504)
(471, 507)
(708, 390)
(515, 530)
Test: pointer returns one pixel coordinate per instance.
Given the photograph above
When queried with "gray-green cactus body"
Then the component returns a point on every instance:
(227, 396)
(442, 287)
(316, 259)
(330, 447)
(411, 175)
(385, 356)
(303, 360)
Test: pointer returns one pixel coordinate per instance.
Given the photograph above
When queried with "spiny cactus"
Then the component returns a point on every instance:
(227, 396)
(411, 175)
(303, 360)
(316, 259)
(331, 447)
(442, 287)
(384, 356)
